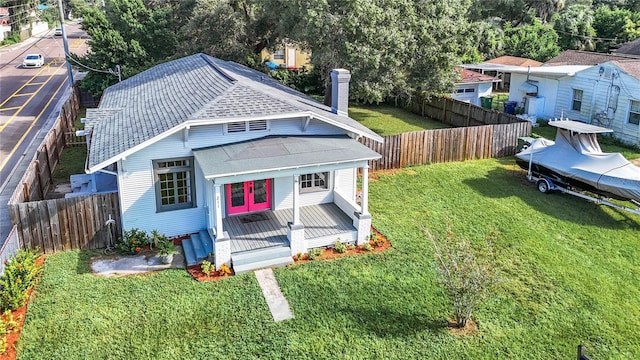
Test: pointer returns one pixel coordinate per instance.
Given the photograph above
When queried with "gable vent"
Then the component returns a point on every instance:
(235, 127)
(257, 125)
(607, 72)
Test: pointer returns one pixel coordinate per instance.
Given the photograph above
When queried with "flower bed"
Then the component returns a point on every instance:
(28, 270)
(377, 242)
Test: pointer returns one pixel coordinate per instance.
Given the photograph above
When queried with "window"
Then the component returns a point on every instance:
(175, 184)
(242, 126)
(278, 55)
(314, 182)
(577, 100)
(634, 112)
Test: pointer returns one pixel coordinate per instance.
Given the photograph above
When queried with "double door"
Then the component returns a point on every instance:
(248, 196)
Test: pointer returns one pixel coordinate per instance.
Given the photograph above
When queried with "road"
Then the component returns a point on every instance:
(29, 100)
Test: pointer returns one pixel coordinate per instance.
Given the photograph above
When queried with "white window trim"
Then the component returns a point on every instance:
(631, 101)
(573, 99)
(314, 189)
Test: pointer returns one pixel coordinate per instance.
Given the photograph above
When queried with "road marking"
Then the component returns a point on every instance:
(3, 126)
(23, 85)
(10, 108)
(4, 162)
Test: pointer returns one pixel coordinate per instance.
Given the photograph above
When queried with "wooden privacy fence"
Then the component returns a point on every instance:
(59, 224)
(458, 113)
(446, 145)
(38, 177)
(65, 224)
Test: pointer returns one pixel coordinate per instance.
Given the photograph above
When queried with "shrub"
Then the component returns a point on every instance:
(314, 253)
(165, 246)
(339, 247)
(464, 272)
(156, 238)
(225, 269)
(367, 247)
(132, 241)
(206, 267)
(376, 240)
(20, 273)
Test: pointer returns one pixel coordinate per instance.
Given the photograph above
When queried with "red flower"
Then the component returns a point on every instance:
(137, 249)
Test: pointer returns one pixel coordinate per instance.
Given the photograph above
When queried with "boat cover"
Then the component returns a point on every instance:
(577, 155)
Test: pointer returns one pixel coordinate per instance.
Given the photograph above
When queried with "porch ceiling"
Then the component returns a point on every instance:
(274, 153)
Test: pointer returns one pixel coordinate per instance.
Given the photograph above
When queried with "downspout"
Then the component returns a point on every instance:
(529, 81)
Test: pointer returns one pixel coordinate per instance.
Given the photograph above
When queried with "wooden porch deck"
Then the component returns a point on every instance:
(269, 228)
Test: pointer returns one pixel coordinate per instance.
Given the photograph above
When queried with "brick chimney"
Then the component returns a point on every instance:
(340, 91)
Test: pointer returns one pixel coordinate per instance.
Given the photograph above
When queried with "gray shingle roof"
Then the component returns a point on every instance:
(196, 87)
(280, 152)
(629, 48)
(631, 67)
(579, 57)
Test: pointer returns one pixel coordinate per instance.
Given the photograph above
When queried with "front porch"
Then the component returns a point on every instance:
(323, 225)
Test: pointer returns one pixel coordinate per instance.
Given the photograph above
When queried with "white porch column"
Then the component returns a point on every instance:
(222, 243)
(365, 190)
(218, 207)
(295, 231)
(362, 222)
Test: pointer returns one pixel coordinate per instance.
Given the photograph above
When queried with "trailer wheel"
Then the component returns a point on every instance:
(543, 186)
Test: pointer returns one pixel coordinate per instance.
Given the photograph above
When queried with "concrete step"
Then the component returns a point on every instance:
(198, 247)
(207, 241)
(258, 255)
(189, 253)
(270, 263)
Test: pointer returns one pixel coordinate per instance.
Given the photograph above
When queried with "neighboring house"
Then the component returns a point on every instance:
(497, 67)
(535, 89)
(579, 57)
(472, 86)
(631, 48)
(607, 95)
(288, 57)
(212, 148)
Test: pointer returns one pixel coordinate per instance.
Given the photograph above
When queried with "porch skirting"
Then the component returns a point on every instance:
(323, 225)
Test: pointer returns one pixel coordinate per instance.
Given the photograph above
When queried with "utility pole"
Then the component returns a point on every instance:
(66, 45)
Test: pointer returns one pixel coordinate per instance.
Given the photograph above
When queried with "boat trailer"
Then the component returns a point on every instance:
(546, 185)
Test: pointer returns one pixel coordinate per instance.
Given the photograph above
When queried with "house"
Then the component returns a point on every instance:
(535, 89)
(606, 95)
(472, 86)
(499, 66)
(247, 166)
(580, 57)
(289, 56)
(631, 48)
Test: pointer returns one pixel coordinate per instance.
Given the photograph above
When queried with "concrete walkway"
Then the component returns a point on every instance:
(277, 303)
(131, 265)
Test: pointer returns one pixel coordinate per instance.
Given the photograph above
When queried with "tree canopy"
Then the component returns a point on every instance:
(391, 47)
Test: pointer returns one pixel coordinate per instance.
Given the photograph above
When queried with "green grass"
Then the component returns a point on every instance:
(569, 275)
(71, 162)
(389, 120)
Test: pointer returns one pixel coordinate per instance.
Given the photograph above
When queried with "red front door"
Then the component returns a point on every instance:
(248, 196)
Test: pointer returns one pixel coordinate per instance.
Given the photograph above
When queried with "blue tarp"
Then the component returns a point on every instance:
(271, 65)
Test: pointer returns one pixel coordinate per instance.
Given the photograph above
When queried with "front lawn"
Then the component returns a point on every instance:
(570, 274)
(387, 120)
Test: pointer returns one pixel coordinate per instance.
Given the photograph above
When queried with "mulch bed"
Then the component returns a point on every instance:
(382, 245)
(329, 253)
(18, 315)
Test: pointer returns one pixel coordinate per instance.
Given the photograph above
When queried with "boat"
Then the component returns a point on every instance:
(575, 161)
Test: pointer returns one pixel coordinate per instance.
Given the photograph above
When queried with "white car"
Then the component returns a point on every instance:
(57, 31)
(33, 60)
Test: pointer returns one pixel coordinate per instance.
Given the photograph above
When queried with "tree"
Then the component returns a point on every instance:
(615, 27)
(536, 41)
(465, 271)
(19, 11)
(545, 9)
(232, 30)
(128, 33)
(575, 28)
(391, 47)
(489, 37)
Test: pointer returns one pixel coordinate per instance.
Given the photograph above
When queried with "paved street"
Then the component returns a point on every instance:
(30, 99)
